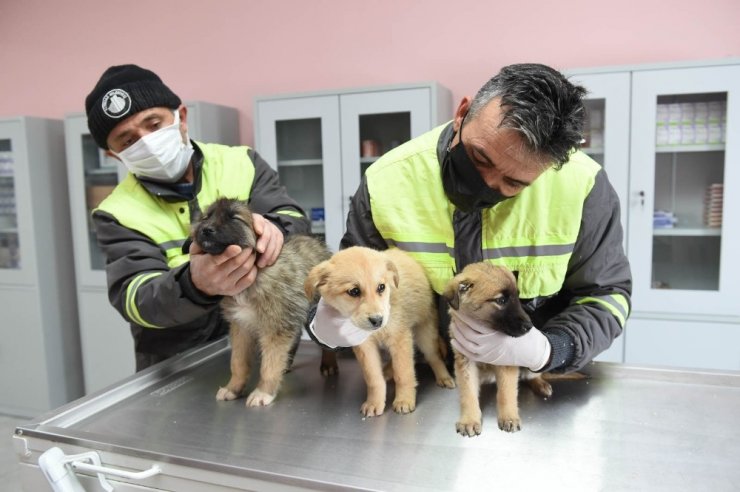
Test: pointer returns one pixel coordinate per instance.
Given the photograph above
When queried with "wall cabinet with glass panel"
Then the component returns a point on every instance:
(321, 143)
(40, 364)
(684, 234)
(607, 142)
(107, 346)
(675, 167)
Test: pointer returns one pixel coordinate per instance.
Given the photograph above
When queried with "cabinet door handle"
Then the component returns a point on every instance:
(642, 198)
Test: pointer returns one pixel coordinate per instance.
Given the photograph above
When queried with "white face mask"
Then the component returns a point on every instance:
(161, 155)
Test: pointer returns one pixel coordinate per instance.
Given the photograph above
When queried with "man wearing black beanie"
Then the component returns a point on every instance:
(169, 296)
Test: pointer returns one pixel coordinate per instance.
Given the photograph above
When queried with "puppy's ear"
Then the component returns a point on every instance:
(452, 295)
(316, 279)
(394, 271)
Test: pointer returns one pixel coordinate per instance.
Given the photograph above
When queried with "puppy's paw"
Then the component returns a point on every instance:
(540, 387)
(510, 424)
(329, 366)
(470, 428)
(369, 409)
(259, 398)
(403, 406)
(329, 370)
(225, 394)
(446, 382)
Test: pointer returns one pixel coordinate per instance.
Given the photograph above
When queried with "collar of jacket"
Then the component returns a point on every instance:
(169, 192)
(444, 140)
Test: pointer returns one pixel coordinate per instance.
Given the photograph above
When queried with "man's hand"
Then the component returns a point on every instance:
(269, 240)
(226, 274)
(531, 350)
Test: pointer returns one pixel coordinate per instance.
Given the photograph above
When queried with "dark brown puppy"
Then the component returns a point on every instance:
(488, 294)
(272, 311)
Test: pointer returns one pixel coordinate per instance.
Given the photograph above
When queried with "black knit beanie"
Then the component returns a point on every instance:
(123, 91)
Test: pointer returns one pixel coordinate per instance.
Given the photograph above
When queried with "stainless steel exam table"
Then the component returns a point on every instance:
(624, 428)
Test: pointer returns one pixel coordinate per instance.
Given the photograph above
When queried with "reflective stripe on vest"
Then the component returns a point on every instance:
(226, 172)
(131, 309)
(616, 304)
(532, 234)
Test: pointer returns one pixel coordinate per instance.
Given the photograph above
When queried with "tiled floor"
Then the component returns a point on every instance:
(9, 476)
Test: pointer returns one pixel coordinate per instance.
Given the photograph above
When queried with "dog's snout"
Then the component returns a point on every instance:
(376, 320)
(207, 231)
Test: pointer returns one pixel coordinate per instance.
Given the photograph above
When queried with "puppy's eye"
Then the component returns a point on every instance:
(381, 288)
(501, 301)
(354, 292)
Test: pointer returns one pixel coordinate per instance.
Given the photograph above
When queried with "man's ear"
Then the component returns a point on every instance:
(183, 110)
(460, 112)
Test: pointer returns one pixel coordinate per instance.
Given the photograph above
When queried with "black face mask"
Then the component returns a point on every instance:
(462, 182)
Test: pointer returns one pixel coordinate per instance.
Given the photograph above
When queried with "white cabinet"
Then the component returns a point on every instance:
(684, 233)
(321, 143)
(107, 345)
(607, 142)
(681, 204)
(40, 366)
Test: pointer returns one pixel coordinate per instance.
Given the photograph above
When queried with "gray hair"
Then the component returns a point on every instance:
(541, 104)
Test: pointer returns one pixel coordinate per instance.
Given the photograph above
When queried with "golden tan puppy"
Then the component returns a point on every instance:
(268, 315)
(488, 295)
(388, 294)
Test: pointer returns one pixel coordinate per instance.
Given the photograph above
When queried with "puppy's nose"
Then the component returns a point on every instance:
(207, 231)
(375, 320)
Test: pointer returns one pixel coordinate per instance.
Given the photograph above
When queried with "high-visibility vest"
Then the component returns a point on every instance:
(226, 172)
(532, 234)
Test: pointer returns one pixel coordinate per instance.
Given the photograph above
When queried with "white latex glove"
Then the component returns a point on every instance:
(334, 330)
(480, 344)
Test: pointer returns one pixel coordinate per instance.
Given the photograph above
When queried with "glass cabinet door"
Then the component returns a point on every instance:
(10, 256)
(91, 176)
(300, 138)
(684, 186)
(374, 123)
(607, 128)
(607, 142)
(101, 174)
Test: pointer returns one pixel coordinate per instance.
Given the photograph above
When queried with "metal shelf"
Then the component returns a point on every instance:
(299, 162)
(662, 149)
(688, 231)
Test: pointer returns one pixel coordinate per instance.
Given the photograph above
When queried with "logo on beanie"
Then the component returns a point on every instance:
(116, 103)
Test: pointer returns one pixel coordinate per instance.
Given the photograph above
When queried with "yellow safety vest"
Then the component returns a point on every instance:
(227, 171)
(532, 234)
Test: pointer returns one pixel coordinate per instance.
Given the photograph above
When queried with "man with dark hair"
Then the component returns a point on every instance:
(169, 296)
(504, 183)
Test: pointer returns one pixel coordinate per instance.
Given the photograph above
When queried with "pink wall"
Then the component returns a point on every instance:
(234, 50)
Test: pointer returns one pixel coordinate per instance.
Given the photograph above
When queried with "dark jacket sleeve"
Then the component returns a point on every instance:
(361, 230)
(269, 198)
(585, 318)
(168, 298)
